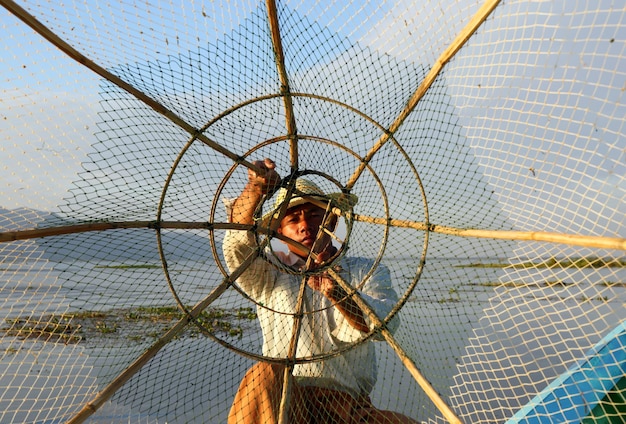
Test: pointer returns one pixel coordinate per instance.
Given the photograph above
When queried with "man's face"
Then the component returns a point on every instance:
(301, 223)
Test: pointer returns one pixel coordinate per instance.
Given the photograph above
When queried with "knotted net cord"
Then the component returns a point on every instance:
(500, 150)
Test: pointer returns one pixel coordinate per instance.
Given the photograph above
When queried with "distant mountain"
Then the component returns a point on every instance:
(123, 245)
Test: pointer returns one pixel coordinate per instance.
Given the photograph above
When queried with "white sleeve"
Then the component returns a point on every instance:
(380, 296)
(377, 292)
(238, 246)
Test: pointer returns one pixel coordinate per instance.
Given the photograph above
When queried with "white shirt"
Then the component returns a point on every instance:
(323, 328)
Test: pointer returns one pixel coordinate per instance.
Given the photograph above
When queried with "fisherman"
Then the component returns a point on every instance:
(333, 390)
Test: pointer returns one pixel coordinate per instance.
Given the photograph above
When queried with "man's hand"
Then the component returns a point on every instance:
(266, 181)
(324, 284)
(259, 184)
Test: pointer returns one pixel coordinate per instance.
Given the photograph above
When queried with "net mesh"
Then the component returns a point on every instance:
(490, 179)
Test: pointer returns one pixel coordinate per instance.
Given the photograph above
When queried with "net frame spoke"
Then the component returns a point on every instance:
(285, 90)
(73, 53)
(105, 394)
(425, 226)
(479, 17)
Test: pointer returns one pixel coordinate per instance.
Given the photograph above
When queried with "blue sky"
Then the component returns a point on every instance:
(50, 104)
(538, 100)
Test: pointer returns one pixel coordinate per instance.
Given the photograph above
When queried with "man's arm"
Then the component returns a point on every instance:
(348, 308)
(344, 304)
(239, 245)
(377, 292)
(258, 185)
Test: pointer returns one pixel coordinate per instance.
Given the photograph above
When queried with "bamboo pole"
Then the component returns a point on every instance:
(430, 391)
(570, 239)
(285, 90)
(318, 247)
(285, 399)
(45, 32)
(71, 229)
(602, 242)
(105, 394)
(460, 40)
(102, 226)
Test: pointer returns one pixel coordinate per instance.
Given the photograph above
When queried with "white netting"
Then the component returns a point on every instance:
(496, 199)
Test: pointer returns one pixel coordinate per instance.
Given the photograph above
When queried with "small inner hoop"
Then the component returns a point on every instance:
(334, 231)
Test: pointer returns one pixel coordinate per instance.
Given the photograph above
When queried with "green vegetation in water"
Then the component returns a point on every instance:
(547, 283)
(507, 284)
(585, 262)
(598, 298)
(135, 266)
(613, 284)
(557, 283)
(454, 296)
(134, 324)
(51, 328)
(11, 350)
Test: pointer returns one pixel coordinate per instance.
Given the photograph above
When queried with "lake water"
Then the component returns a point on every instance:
(452, 308)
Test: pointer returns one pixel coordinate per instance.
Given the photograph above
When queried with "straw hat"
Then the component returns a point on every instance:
(305, 191)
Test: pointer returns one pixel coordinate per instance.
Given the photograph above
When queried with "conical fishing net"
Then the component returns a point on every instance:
(471, 156)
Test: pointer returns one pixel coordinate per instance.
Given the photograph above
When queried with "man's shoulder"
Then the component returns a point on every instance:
(358, 261)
